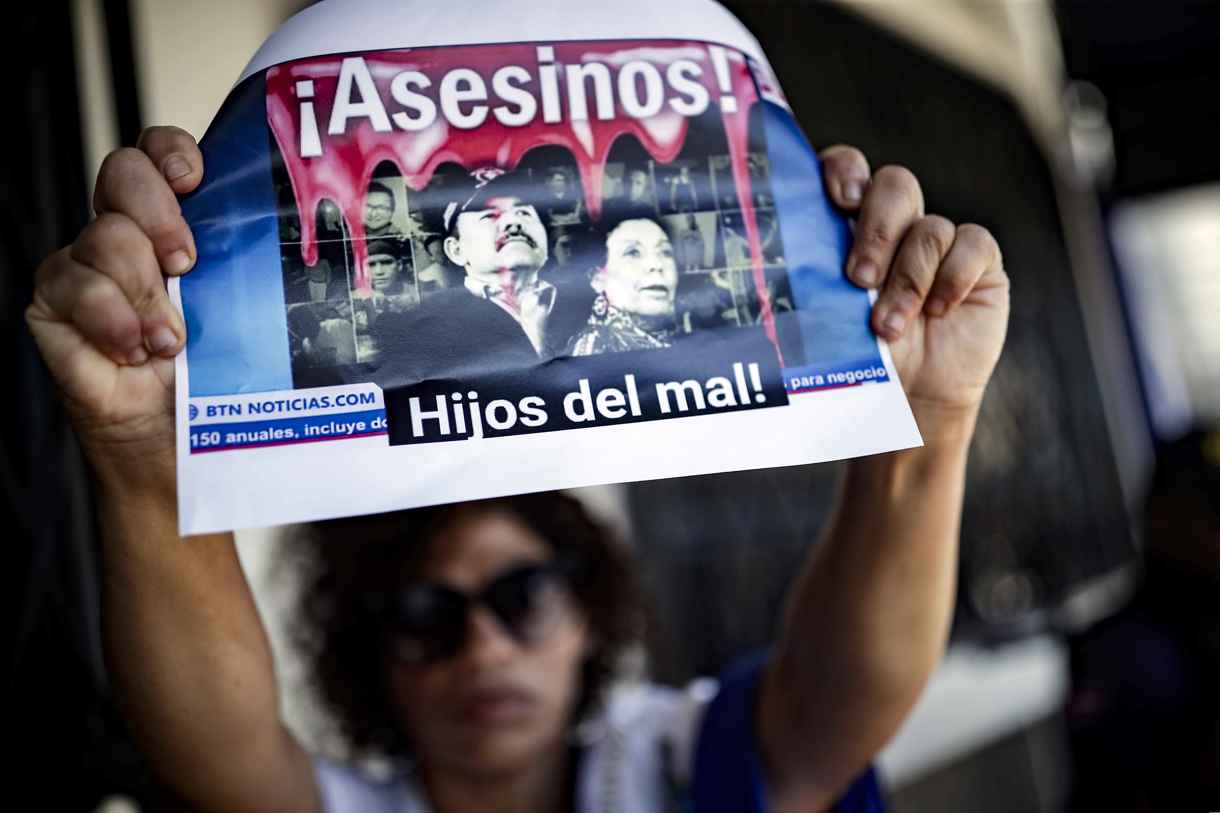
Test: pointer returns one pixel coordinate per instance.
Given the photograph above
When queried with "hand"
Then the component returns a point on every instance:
(101, 316)
(942, 302)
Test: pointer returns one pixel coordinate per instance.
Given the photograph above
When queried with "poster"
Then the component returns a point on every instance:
(448, 256)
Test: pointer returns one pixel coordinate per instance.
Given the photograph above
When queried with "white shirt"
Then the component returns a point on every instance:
(634, 752)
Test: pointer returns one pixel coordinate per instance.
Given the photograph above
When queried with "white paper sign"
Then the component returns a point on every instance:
(451, 254)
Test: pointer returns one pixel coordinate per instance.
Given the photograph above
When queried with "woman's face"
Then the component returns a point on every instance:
(498, 704)
(640, 275)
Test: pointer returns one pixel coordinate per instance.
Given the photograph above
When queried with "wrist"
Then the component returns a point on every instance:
(945, 426)
(134, 476)
(946, 434)
(132, 512)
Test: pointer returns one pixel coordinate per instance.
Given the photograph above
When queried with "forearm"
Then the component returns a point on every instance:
(189, 660)
(870, 612)
(880, 587)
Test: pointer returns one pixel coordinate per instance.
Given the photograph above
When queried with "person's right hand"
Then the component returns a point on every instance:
(101, 316)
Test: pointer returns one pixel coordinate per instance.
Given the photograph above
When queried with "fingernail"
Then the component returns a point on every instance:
(162, 341)
(853, 191)
(176, 167)
(865, 273)
(179, 262)
(137, 356)
(894, 323)
(935, 307)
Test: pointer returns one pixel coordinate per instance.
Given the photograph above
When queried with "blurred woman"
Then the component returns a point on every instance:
(473, 640)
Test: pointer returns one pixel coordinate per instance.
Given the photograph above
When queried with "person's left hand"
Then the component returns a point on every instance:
(942, 300)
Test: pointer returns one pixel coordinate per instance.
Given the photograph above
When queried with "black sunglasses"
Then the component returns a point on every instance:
(427, 622)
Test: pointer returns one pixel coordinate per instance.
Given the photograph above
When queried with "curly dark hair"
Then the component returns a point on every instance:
(348, 560)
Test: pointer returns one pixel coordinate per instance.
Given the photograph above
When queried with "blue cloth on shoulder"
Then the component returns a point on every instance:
(728, 775)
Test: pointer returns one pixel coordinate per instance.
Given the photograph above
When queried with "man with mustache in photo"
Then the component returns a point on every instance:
(498, 319)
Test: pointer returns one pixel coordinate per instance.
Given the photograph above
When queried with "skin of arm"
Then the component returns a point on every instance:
(866, 621)
(189, 660)
(868, 616)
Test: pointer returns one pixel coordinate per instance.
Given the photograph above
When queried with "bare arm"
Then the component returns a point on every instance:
(190, 662)
(869, 614)
(184, 645)
(866, 621)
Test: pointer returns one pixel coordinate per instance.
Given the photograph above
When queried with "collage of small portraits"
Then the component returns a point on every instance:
(686, 215)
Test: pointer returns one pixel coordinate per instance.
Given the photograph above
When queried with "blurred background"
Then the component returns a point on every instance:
(1085, 660)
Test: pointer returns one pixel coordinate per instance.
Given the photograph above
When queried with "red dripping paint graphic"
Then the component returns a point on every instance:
(737, 129)
(343, 170)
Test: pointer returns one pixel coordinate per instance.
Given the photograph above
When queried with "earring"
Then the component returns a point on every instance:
(601, 305)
